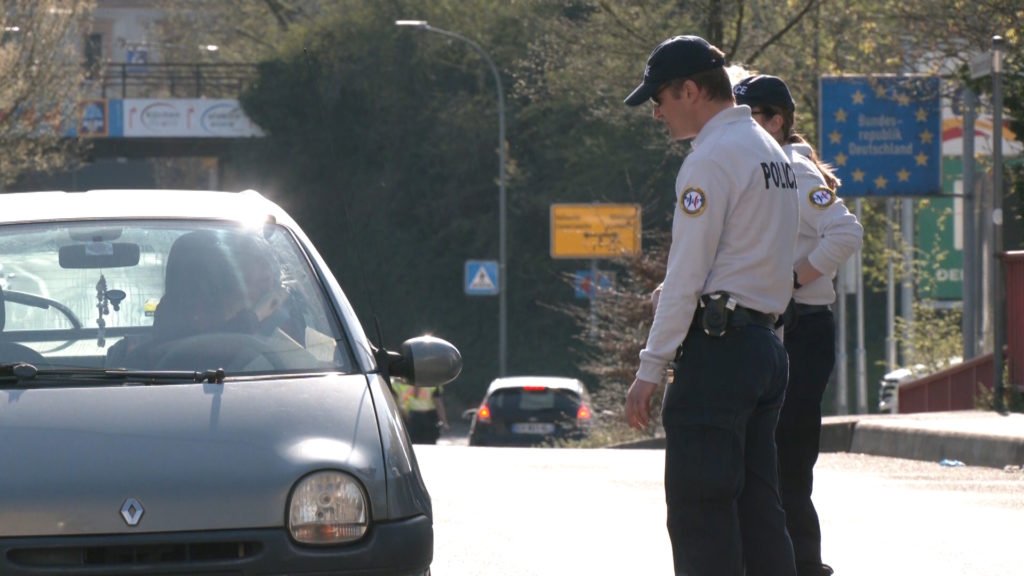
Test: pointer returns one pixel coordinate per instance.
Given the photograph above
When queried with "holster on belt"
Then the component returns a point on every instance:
(718, 311)
(714, 310)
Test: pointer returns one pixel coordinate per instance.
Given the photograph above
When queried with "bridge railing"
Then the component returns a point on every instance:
(170, 80)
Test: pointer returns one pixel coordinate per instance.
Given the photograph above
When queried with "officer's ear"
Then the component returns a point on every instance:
(689, 90)
(774, 124)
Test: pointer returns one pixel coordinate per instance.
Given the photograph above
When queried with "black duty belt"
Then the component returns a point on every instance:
(740, 317)
(805, 309)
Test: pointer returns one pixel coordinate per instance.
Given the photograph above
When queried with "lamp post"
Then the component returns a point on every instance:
(998, 292)
(502, 233)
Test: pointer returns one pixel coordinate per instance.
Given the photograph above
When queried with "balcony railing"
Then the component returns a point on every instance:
(168, 80)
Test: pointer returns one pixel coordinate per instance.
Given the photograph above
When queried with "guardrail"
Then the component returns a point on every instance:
(171, 80)
(954, 388)
(1013, 266)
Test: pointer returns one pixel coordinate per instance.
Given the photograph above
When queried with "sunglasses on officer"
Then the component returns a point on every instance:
(656, 99)
(766, 112)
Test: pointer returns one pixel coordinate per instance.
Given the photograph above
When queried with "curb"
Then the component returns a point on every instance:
(975, 438)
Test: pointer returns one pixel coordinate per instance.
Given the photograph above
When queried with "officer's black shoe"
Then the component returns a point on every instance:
(826, 570)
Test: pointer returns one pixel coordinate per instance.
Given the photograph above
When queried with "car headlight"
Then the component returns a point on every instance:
(327, 508)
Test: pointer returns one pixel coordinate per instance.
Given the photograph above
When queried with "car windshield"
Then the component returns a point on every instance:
(164, 295)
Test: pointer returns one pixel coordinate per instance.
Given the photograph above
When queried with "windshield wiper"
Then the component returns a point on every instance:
(25, 374)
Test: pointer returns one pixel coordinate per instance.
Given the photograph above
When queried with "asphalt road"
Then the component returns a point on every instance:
(595, 512)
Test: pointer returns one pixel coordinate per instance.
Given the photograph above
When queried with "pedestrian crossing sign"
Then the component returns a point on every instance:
(481, 278)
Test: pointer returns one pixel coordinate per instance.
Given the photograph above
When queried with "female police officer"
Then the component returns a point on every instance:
(828, 235)
(729, 275)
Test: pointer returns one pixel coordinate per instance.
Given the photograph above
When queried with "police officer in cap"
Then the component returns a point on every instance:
(729, 276)
(828, 235)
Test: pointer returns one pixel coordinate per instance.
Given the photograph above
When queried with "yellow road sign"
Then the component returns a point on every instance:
(595, 230)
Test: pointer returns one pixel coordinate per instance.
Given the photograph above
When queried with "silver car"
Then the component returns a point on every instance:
(184, 389)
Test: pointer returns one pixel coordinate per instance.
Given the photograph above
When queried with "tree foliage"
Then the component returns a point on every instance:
(42, 83)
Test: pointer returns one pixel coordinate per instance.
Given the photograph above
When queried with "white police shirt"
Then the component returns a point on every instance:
(734, 229)
(828, 234)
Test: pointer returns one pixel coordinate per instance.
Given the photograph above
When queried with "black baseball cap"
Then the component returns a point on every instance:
(764, 90)
(677, 57)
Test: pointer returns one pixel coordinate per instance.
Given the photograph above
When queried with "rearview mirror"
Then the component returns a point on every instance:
(99, 255)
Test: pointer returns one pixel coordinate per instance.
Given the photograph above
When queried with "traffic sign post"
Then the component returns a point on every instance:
(587, 231)
(481, 278)
(883, 134)
(587, 283)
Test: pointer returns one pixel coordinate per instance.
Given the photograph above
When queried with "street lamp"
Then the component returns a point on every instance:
(502, 233)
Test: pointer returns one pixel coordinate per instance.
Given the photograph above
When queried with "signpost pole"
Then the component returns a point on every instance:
(907, 285)
(970, 296)
(890, 288)
(842, 378)
(862, 364)
(998, 295)
(883, 135)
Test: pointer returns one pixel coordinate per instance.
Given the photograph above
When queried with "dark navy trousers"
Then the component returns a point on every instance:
(811, 345)
(721, 478)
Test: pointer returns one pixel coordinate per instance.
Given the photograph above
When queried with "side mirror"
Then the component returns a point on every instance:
(427, 361)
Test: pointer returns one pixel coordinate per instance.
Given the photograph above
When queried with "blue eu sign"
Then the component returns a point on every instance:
(883, 134)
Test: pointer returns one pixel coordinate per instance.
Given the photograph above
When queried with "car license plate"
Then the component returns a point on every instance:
(533, 428)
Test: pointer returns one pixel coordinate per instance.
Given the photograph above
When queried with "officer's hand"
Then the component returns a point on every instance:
(269, 302)
(638, 403)
(655, 296)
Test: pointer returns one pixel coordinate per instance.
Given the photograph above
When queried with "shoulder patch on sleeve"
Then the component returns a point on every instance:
(692, 201)
(821, 197)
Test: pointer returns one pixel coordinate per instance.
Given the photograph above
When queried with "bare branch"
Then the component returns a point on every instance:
(793, 22)
(738, 34)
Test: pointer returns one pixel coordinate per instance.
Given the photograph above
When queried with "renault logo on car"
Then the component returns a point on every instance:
(132, 511)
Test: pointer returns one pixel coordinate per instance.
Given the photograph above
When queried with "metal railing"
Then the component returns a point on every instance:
(171, 80)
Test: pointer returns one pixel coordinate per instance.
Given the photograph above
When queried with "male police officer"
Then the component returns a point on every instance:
(828, 235)
(729, 276)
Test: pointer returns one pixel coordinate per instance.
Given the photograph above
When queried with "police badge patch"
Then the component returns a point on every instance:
(821, 197)
(692, 201)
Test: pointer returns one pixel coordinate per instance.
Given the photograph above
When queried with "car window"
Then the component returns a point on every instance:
(533, 400)
(163, 295)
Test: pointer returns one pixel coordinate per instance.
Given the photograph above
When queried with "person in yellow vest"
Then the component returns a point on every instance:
(423, 410)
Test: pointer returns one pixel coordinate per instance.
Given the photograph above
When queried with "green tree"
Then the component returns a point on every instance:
(43, 83)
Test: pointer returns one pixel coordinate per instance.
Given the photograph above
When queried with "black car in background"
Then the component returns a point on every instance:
(531, 410)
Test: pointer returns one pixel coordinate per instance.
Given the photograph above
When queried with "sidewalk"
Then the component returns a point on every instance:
(976, 438)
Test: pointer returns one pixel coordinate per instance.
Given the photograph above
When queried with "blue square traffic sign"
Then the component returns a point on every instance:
(883, 134)
(481, 277)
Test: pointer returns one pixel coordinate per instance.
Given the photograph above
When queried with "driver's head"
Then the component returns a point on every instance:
(254, 267)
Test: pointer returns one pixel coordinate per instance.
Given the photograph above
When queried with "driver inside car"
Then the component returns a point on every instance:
(215, 282)
(263, 304)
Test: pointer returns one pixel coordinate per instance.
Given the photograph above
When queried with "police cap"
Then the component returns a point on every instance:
(764, 90)
(677, 57)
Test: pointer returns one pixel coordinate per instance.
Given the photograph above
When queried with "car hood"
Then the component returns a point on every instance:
(194, 456)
